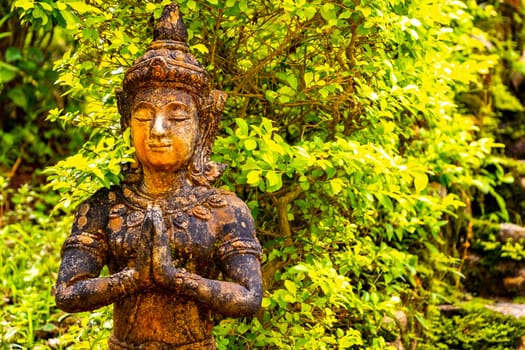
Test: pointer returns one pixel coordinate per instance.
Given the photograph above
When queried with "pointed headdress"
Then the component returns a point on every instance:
(168, 62)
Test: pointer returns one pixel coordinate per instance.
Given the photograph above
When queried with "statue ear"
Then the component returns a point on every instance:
(216, 101)
(124, 108)
(213, 106)
(205, 171)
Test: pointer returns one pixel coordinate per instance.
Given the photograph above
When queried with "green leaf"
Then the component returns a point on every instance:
(266, 302)
(201, 48)
(291, 287)
(242, 129)
(336, 185)
(420, 181)
(18, 96)
(253, 177)
(308, 79)
(13, 54)
(24, 4)
(150, 7)
(243, 5)
(70, 19)
(83, 8)
(46, 6)
(60, 6)
(328, 12)
(292, 80)
(7, 72)
(299, 268)
(274, 181)
(385, 200)
(250, 144)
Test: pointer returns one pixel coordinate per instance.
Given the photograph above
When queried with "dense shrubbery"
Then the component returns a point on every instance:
(27, 93)
(348, 132)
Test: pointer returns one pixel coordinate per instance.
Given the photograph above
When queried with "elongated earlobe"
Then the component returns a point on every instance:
(203, 170)
(124, 108)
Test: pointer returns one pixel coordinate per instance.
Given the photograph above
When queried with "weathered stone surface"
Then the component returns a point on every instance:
(507, 308)
(400, 319)
(504, 278)
(511, 231)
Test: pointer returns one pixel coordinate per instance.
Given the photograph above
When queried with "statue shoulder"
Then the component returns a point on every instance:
(88, 230)
(233, 212)
(96, 207)
(229, 202)
(238, 228)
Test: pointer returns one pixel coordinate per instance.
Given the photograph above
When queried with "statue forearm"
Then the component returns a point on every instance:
(228, 298)
(240, 296)
(91, 293)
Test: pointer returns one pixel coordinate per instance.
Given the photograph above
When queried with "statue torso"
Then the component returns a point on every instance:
(192, 228)
(205, 226)
(194, 237)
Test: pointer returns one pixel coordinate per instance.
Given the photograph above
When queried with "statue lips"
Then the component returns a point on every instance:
(159, 147)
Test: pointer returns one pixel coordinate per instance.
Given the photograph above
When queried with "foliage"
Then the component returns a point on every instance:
(28, 266)
(347, 131)
(474, 327)
(498, 102)
(27, 91)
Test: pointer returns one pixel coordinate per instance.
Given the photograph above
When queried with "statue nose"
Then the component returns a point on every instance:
(158, 126)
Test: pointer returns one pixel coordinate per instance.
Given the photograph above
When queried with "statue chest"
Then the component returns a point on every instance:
(192, 238)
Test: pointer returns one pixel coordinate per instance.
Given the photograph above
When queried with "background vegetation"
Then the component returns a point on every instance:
(369, 138)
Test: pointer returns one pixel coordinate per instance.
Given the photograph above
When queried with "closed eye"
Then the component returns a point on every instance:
(143, 114)
(179, 116)
(176, 113)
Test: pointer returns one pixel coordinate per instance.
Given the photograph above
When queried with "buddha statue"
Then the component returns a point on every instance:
(179, 252)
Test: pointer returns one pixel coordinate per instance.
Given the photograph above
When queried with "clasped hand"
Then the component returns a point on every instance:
(154, 265)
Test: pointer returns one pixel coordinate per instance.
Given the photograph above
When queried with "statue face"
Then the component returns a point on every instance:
(164, 128)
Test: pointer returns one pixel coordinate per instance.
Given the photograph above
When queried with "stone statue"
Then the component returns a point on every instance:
(178, 250)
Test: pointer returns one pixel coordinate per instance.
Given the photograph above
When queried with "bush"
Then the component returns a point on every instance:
(27, 90)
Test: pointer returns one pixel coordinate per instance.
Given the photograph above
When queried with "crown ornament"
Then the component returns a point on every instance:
(167, 61)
